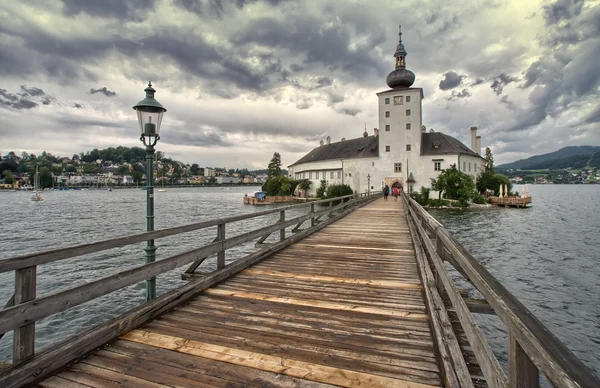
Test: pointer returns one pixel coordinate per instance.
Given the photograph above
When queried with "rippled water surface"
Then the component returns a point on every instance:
(548, 256)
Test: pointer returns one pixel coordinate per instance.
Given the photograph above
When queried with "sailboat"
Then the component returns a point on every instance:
(162, 190)
(37, 196)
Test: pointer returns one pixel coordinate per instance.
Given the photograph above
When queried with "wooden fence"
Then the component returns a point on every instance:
(532, 348)
(25, 308)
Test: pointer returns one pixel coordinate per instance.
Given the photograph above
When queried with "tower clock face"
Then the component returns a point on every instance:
(398, 100)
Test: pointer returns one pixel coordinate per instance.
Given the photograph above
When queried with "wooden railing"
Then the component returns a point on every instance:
(532, 348)
(22, 314)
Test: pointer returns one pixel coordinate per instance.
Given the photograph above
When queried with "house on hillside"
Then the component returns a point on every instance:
(401, 153)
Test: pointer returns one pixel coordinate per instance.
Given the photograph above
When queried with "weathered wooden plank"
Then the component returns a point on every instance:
(49, 360)
(221, 253)
(334, 279)
(58, 382)
(305, 370)
(522, 373)
(25, 291)
(320, 304)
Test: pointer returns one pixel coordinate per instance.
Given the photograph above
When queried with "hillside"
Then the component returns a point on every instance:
(574, 156)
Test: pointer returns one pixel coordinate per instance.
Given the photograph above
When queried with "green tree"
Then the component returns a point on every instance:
(334, 191)
(91, 168)
(45, 177)
(9, 178)
(489, 160)
(489, 181)
(195, 169)
(322, 189)
(280, 185)
(56, 169)
(455, 185)
(274, 168)
(137, 176)
(123, 169)
(70, 168)
(304, 185)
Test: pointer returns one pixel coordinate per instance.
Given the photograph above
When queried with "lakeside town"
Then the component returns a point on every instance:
(114, 168)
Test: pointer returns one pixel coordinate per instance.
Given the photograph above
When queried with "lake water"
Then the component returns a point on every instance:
(547, 255)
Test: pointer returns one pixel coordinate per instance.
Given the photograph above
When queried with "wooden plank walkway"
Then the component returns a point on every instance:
(343, 307)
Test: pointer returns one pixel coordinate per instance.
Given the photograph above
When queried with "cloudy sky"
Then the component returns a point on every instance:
(242, 79)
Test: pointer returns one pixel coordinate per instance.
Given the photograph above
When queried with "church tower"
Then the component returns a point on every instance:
(400, 122)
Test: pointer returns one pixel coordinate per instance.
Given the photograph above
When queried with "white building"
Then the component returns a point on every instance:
(209, 172)
(400, 153)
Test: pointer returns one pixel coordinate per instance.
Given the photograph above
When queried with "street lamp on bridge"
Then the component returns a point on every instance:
(369, 183)
(150, 113)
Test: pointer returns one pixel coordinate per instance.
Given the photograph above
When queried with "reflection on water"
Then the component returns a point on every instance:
(548, 256)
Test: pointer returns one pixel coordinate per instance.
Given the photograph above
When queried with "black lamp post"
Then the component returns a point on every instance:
(369, 184)
(150, 113)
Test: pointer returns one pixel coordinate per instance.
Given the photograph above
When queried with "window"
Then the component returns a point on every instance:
(408, 126)
(387, 114)
(339, 175)
(316, 175)
(304, 175)
(408, 147)
(464, 166)
(387, 101)
(397, 167)
(349, 174)
(373, 164)
(387, 128)
(408, 112)
(437, 166)
(332, 175)
(310, 175)
(469, 166)
(398, 100)
(387, 148)
(407, 98)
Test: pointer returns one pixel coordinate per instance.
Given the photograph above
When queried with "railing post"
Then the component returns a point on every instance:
(24, 336)
(522, 372)
(282, 220)
(221, 254)
(440, 251)
(312, 214)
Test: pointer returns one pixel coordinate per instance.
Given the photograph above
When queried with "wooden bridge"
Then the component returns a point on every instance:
(361, 297)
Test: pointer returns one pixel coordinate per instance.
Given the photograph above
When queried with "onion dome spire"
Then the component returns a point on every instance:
(400, 77)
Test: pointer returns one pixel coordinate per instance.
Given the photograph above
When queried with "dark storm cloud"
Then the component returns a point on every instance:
(462, 94)
(7, 95)
(334, 99)
(478, 81)
(321, 44)
(500, 81)
(215, 7)
(323, 82)
(304, 105)
(350, 111)
(46, 100)
(568, 71)
(295, 67)
(562, 10)
(200, 138)
(118, 9)
(32, 91)
(451, 80)
(104, 90)
(20, 104)
(78, 106)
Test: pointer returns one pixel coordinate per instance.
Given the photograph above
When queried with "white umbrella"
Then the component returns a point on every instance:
(506, 190)
(501, 188)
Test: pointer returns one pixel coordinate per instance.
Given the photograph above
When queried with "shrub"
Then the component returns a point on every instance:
(322, 189)
(338, 191)
(479, 199)
(280, 185)
(437, 202)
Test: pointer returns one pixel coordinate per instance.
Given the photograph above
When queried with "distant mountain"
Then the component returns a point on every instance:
(572, 156)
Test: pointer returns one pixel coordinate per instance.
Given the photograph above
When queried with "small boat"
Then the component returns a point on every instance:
(162, 190)
(37, 196)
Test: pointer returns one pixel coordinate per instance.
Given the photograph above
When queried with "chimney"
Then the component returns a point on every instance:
(423, 129)
(343, 139)
(478, 150)
(376, 132)
(321, 143)
(473, 138)
(328, 140)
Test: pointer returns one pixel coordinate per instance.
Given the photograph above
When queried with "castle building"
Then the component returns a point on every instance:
(400, 153)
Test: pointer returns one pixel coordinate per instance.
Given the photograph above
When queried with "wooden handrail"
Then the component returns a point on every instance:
(531, 345)
(44, 257)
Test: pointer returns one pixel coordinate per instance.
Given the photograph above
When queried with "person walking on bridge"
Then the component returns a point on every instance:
(386, 192)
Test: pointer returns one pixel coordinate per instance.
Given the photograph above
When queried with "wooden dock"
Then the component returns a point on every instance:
(359, 297)
(335, 308)
(511, 201)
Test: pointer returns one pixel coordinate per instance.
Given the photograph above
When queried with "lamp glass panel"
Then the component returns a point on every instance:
(145, 116)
